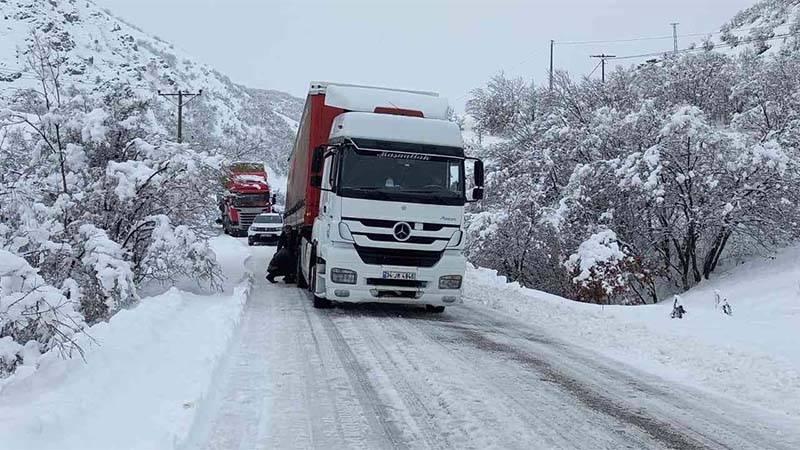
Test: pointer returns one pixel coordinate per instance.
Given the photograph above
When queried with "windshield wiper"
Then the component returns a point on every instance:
(439, 195)
(424, 191)
(371, 190)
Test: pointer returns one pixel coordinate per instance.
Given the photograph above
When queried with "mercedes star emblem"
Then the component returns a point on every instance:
(402, 231)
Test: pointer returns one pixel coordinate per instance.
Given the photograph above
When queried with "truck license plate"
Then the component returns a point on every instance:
(392, 275)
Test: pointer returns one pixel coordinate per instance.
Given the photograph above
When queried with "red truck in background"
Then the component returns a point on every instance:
(247, 194)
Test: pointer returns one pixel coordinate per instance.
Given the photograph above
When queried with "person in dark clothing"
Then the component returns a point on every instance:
(282, 263)
(283, 238)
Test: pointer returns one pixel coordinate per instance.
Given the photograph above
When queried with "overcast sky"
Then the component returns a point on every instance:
(449, 46)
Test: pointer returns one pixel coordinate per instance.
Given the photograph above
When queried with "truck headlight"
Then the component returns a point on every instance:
(455, 239)
(345, 276)
(450, 282)
(344, 232)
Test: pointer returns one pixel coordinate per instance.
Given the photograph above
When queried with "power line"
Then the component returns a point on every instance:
(648, 38)
(603, 57)
(716, 45)
(180, 104)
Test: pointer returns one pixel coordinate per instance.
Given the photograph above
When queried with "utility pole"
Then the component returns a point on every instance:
(603, 57)
(180, 104)
(552, 44)
(675, 35)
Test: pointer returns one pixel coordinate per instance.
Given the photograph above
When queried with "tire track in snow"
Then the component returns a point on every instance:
(708, 420)
(352, 428)
(661, 431)
(377, 413)
(401, 381)
(530, 398)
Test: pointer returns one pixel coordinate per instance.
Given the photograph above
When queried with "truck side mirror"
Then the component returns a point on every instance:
(318, 159)
(479, 175)
(317, 162)
(477, 193)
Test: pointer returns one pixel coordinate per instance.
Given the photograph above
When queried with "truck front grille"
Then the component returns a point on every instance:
(398, 257)
(246, 219)
(378, 223)
(412, 240)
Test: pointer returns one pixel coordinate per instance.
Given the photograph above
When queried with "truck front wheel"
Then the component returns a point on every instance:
(434, 309)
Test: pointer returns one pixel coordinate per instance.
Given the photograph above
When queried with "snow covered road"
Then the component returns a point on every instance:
(393, 377)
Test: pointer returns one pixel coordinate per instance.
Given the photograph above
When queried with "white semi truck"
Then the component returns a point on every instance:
(375, 197)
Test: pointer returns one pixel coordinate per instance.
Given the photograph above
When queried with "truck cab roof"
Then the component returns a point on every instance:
(392, 128)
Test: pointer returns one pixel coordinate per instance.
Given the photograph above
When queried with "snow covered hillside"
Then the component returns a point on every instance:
(101, 50)
(767, 25)
(751, 355)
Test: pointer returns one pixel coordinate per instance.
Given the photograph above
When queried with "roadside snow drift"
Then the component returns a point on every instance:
(751, 356)
(144, 375)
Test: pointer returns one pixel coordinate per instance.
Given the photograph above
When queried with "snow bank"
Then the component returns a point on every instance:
(751, 356)
(145, 373)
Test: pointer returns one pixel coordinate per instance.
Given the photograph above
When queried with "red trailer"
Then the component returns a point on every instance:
(302, 198)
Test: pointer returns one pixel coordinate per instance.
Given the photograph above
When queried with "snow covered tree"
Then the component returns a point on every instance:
(502, 105)
(688, 159)
(94, 203)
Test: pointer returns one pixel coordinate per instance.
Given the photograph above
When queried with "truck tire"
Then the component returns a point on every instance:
(322, 303)
(434, 309)
(301, 281)
(319, 302)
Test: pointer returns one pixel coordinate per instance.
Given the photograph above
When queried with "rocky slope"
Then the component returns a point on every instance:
(100, 52)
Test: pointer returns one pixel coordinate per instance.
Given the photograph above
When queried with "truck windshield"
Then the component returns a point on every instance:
(398, 176)
(251, 200)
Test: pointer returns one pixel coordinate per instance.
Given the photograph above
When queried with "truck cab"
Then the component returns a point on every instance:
(247, 194)
(392, 182)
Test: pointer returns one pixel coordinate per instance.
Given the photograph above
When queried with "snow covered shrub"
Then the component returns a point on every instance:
(31, 310)
(106, 281)
(177, 252)
(602, 268)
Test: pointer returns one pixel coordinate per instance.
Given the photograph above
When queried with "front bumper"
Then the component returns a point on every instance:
(263, 236)
(370, 286)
